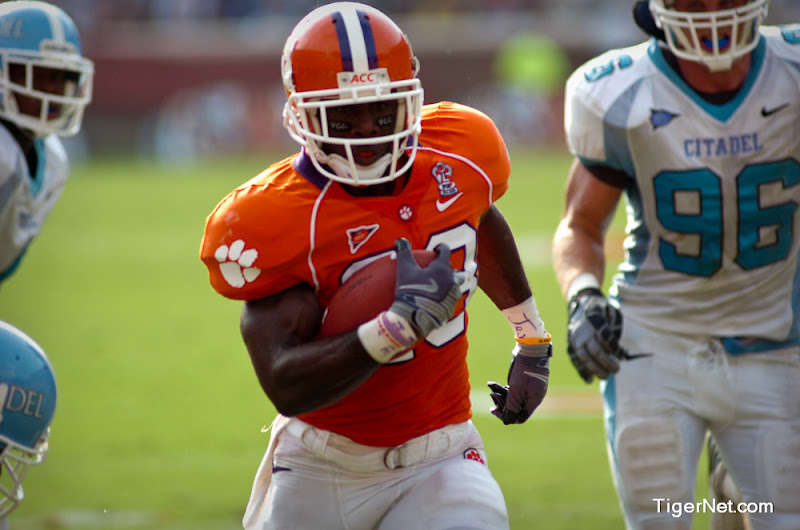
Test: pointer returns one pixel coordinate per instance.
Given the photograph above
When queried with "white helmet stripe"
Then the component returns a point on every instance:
(357, 47)
(55, 24)
(355, 37)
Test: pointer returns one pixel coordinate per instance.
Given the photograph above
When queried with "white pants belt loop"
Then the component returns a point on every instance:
(399, 457)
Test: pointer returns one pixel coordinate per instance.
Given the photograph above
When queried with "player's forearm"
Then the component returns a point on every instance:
(501, 276)
(577, 251)
(313, 375)
(298, 371)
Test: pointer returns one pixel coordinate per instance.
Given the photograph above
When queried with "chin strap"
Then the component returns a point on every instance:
(365, 174)
(644, 19)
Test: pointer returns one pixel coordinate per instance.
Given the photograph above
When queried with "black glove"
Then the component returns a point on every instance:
(593, 335)
(527, 383)
(427, 297)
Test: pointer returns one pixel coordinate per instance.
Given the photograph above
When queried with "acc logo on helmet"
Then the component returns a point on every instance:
(378, 75)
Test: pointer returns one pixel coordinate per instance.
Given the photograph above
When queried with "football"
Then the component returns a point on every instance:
(365, 294)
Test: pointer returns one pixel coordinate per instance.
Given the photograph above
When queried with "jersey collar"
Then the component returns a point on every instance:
(720, 112)
(303, 165)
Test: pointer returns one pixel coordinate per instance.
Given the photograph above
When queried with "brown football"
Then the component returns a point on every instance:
(365, 294)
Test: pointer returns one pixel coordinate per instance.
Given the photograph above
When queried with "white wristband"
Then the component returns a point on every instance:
(526, 323)
(582, 281)
(386, 335)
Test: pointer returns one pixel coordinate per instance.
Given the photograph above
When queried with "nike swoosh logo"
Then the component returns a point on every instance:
(442, 206)
(430, 287)
(768, 112)
(540, 377)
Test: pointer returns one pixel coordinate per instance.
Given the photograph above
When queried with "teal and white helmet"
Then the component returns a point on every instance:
(40, 35)
(713, 38)
(27, 405)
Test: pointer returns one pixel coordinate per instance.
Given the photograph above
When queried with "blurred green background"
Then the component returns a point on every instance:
(159, 415)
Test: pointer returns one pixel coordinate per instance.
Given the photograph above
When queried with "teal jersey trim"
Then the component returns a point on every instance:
(720, 112)
(37, 178)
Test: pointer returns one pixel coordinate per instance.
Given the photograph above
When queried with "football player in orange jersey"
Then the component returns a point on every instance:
(370, 433)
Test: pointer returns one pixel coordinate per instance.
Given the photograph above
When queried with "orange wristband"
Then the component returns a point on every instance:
(535, 340)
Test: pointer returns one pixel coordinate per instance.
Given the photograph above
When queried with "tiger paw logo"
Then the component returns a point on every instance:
(236, 263)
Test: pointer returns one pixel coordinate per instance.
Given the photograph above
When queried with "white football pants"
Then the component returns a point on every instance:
(315, 479)
(657, 412)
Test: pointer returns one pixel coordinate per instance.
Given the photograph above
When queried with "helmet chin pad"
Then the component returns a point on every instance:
(357, 173)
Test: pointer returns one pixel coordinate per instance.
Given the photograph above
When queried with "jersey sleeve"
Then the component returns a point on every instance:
(8, 155)
(597, 105)
(583, 119)
(785, 41)
(255, 241)
(464, 129)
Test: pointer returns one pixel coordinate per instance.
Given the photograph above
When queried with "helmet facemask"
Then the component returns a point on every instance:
(714, 38)
(59, 113)
(14, 463)
(306, 119)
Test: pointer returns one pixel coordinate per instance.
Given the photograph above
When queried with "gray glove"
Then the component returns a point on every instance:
(527, 383)
(427, 297)
(593, 334)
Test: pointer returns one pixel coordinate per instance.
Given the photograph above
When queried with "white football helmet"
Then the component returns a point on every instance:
(40, 35)
(27, 405)
(713, 38)
(348, 53)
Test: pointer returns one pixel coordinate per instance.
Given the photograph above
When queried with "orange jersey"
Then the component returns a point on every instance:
(291, 225)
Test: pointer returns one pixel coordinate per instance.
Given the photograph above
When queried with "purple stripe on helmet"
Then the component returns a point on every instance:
(369, 40)
(344, 42)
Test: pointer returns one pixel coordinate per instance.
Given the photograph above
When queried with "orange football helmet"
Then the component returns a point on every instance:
(348, 53)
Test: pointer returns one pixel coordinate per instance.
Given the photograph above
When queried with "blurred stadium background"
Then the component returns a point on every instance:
(159, 411)
(178, 78)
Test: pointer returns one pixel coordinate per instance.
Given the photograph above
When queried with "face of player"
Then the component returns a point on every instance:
(705, 6)
(363, 120)
(50, 80)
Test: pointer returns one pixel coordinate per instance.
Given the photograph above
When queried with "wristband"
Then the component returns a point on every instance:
(386, 335)
(526, 323)
(582, 281)
(535, 341)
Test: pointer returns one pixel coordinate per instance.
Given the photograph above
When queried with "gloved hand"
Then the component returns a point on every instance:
(527, 383)
(427, 297)
(593, 335)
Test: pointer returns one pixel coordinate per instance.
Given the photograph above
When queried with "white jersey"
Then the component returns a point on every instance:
(26, 199)
(713, 228)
